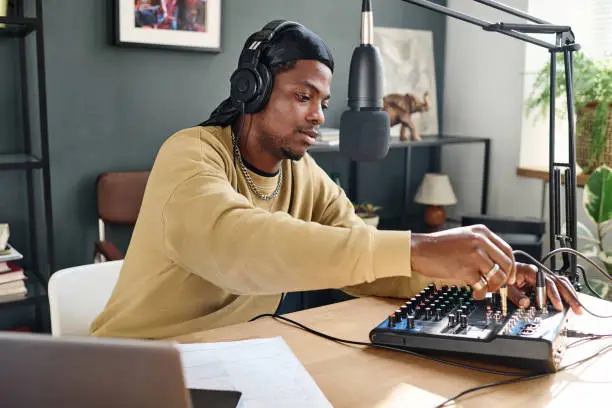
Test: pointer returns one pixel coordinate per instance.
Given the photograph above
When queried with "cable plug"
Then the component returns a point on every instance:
(579, 334)
(503, 293)
(540, 290)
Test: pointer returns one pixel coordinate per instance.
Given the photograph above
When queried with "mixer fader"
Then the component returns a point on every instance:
(448, 320)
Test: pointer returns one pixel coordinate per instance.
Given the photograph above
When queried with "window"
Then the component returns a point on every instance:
(590, 21)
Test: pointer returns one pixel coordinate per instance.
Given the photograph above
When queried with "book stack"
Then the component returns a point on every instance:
(12, 278)
(329, 136)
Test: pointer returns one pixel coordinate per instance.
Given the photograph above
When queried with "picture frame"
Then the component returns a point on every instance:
(186, 25)
(409, 68)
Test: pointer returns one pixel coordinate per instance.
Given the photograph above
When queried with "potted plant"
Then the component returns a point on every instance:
(592, 100)
(367, 212)
(597, 201)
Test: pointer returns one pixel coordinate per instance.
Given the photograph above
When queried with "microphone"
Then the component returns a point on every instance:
(364, 128)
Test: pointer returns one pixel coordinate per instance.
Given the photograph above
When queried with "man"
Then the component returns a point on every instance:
(236, 213)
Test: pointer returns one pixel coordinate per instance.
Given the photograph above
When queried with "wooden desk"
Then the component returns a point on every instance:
(354, 376)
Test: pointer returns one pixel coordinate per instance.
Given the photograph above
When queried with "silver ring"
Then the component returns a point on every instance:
(492, 272)
(481, 284)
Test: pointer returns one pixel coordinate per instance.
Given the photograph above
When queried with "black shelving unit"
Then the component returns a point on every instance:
(434, 143)
(38, 265)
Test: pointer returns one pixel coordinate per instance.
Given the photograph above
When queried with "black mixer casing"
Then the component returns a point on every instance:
(526, 338)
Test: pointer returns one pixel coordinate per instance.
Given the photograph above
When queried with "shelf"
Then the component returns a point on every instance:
(18, 26)
(395, 143)
(35, 293)
(20, 161)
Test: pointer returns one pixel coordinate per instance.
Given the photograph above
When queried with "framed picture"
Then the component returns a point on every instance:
(409, 70)
(191, 25)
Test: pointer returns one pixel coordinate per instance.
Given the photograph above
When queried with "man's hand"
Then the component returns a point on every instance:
(556, 287)
(465, 254)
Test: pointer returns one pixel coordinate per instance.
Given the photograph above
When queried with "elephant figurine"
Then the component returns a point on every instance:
(400, 109)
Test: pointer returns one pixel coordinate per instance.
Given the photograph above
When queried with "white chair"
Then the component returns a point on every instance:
(78, 294)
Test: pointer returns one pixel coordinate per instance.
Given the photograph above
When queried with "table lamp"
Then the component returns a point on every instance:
(435, 191)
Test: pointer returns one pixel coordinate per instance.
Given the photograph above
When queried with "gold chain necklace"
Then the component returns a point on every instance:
(248, 178)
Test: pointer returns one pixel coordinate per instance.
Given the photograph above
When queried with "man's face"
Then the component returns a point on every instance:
(289, 123)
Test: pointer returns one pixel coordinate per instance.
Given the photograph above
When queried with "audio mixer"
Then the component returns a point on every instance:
(449, 321)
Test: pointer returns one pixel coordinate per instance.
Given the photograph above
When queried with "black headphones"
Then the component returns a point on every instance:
(251, 82)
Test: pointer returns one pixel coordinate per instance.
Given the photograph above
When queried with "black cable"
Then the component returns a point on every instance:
(586, 282)
(579, 334)
(548, 271)
(587, 339)
(384, 346)
(584, 337)
(524, 378)
(579, 254)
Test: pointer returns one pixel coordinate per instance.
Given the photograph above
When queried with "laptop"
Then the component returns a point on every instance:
(39, 370)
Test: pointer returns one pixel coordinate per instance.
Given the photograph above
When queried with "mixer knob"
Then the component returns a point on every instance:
(432, 287)
(391, 319)
(417, 298)
(428, 313)
(438, 315)
(454, 289)
(404, 310)
(463, 320)
(451, 319)
(445, 288)
(398, 315)
(410, 322)
(409, 306)
(418, 312)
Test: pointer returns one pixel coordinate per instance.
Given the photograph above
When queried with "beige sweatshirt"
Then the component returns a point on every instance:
(205, 252)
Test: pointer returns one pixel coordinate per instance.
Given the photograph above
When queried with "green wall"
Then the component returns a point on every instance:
(110, 108)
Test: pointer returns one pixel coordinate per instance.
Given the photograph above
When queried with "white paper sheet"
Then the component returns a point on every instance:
(266, 371)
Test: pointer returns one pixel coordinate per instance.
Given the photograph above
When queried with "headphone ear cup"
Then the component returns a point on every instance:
(245, 85)
(260, 99)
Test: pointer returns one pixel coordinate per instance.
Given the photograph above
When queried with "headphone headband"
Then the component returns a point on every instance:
(270, 29)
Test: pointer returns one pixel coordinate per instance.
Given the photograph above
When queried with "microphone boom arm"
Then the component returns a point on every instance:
(565, 43)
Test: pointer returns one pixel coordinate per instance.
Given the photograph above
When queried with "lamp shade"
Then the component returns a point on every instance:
(435, 189)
